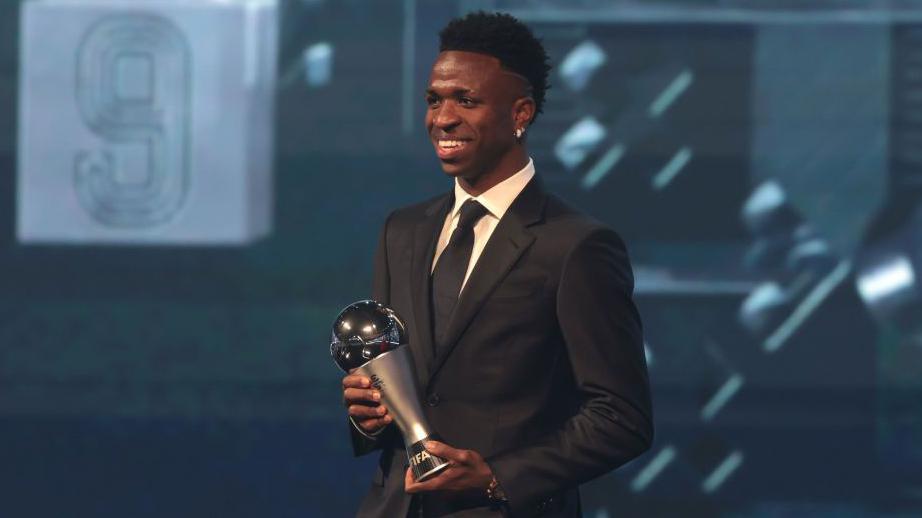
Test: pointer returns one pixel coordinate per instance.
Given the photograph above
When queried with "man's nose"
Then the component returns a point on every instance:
(446, 116)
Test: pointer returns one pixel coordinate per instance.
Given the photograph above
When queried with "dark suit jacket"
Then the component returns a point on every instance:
(545, 375)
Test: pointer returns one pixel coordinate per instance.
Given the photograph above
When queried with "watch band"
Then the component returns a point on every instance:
(495, 492)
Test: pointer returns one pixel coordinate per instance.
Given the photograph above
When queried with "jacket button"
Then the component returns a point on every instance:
(433, 399)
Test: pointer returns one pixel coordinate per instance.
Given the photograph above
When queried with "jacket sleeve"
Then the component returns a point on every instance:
(363, 443)
(602, 332)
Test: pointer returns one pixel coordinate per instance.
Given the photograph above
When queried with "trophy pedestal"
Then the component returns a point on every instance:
(424, 464)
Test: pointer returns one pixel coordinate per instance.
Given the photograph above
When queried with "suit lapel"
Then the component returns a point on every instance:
(425, 237)
(508, 242)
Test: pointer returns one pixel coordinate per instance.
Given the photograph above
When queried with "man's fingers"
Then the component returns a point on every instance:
(351, 395)
(363, 404)
(367, 411)
(356, 381)
(373, 425)
(433, 484)
(440, 449)
(408, 484)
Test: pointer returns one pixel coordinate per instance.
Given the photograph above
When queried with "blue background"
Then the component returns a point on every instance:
(196, 381)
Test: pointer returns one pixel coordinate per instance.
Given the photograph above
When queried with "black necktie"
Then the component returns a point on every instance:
(451, 267)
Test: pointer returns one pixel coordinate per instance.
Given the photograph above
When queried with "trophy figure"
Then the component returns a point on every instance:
(370, 339)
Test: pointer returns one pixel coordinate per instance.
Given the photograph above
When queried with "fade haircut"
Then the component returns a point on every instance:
(505, 38)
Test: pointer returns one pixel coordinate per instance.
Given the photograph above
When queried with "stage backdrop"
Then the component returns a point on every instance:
(191, 191)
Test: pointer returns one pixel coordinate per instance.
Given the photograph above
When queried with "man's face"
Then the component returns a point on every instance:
(470, 116)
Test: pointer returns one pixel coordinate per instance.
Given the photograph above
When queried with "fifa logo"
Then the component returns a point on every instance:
(377, 382)
(420, 457)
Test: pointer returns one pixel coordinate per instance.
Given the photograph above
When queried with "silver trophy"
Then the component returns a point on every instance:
(370, 339)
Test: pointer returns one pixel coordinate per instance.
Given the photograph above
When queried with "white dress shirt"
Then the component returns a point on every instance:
(496, 200)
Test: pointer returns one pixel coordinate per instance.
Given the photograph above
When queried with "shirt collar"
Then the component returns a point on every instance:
(499, 198)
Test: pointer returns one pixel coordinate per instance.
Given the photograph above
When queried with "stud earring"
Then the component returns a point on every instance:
(519, 132)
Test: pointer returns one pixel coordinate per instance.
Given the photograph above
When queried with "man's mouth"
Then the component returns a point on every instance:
(449, 148)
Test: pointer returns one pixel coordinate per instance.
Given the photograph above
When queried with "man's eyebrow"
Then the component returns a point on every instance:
(456, 91)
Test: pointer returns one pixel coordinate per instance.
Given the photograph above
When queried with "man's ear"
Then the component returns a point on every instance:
(523, 111)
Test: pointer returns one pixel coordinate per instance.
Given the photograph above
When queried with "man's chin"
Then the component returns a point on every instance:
(452, 168)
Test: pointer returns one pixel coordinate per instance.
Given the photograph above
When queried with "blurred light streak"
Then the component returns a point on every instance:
(722, 472)
(318, 64)
(578, 141)
(604, 166)
(764, 200)
(886, 280)
(807, 306)
(653, 469)
(757, 306)
(815, 249)
(581, 63)
(647, 354)
(721, 397)
(671, 93)
(652, 280)
(672, 169)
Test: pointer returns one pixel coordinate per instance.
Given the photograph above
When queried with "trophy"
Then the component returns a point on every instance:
(371, 338)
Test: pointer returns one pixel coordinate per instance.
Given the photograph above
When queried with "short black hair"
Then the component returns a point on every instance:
(504, 37)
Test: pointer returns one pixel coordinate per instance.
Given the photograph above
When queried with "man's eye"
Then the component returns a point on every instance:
(465, 101)
(432, 101)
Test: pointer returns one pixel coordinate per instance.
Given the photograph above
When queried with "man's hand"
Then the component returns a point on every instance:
(364, 404)
(466, 471)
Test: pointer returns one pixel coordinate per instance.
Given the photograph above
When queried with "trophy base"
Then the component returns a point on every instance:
(424, 464)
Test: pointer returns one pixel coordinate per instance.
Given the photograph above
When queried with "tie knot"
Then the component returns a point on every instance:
(471, 212)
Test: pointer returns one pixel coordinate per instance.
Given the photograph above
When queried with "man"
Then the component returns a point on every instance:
(526, 342)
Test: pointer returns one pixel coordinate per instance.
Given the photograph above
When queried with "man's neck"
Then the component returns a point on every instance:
(484, 182)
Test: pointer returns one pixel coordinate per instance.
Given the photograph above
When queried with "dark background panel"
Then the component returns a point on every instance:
(196, 381)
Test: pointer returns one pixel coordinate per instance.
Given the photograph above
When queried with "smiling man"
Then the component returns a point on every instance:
(478, 112)
(525, 338)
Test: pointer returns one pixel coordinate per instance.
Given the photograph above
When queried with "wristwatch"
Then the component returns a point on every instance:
(495, 492)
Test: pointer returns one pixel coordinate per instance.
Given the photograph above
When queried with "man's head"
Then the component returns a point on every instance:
(486, 87)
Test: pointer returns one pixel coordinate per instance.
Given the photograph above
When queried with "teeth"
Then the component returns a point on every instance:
(450, 143)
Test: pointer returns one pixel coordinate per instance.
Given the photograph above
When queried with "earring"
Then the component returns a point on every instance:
(519, 132)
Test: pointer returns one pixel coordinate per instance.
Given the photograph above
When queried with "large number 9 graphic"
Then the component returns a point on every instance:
(154, 116)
